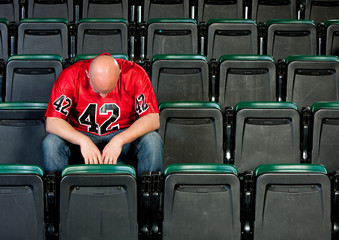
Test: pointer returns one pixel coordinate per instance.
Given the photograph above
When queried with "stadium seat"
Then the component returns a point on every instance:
(325, 145)
(164, 9)
(180, 78)
(292, 202)
(4, 39)
(105, 9)
(96, 36)
(43, 36)
(98, 202)
(262, 11)
(332, 37)
(291, 37)
(312, 79)
(229, 36)
(321, 10)
(266, 132)
(171, 36)
(90, 56)
(192, 132)
(212, 9)
(246, 78)
(201, 201)
(10, 10)
(31, 77)
(22, 202)
(51, 9)
(22, 131)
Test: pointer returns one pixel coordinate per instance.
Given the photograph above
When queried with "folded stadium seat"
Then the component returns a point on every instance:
(212, 9)
(262, 10)
(98, 202)
(22, 131)
(332, 37)
(292, 202)
(291, 37)
(266, 132)
(180, 78)
(4, 45)
(321, 10)
(231, 36)
(312, 79)
(171, 36)
(43, 36)
(90, 56)
(246, 78)
(325, 129)
(10, 10)
(96, 36)
(31, 77)
(105, 9)
(192, 132)
(201, 201)
(163, 9)
(51, 9)
(22, 202)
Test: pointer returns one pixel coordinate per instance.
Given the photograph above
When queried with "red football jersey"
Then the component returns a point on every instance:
(73, 99)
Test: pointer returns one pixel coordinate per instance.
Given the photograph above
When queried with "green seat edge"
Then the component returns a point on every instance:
(226, 20)
(188, 104)
(101, 20)
(246, 58)
(99, 169)
(202, 168)
(290, 21)
(289, 168)
(179, 57)
(268, 104)
(321, 105)
(35, 57)
(21, 169)
(23, 105)
(47, 20)
(320, 58)
(171, 20)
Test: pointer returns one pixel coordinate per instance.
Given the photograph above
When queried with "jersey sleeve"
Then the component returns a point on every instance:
(144, 97)
(62, 95)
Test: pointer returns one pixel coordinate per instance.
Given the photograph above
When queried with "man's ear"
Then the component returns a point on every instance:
(87, 73)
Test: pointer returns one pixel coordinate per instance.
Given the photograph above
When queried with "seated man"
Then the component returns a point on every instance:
(107, 107)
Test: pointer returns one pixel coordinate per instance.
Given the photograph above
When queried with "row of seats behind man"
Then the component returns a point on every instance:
(197, 201)
(279, 38)
(303, 80)
(142, 11)
(198, 132)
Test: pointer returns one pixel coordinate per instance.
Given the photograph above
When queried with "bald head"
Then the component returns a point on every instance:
(103, 74)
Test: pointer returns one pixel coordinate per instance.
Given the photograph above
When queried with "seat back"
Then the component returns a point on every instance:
(292, 202)
(51, 9)
(262, 11)
(4, 39)
(180, 78)
(10, 10)
(266, 132)
(98, 202)
(22, 131)
(325, 147)
(311, 79)
(192, 193)
(105, 9)
(22, 202)
(212, 9)
(231, 36)
(31, 77)
(291, 37)
(109, 35)
(192, 132)
(43, 36)
(321, 10)
(246, 78)
(171, 36)
(332, 37)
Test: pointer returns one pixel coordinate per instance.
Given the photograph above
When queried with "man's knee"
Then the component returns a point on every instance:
(153, 142)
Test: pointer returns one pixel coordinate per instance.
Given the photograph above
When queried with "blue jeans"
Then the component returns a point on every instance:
(144, 152)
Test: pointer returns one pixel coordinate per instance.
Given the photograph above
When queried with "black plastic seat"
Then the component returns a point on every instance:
(262, 10)
(4, 45)
(201, 201)
(98, 202)
(292, 202)
(321, 10)
(332, 37)
(180, 78)
(10, 10)
(105, 9)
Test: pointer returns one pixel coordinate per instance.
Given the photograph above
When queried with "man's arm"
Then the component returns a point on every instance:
(63, 129)
(140, 127)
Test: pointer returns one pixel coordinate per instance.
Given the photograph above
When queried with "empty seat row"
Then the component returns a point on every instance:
(202, 10)
(196, 202)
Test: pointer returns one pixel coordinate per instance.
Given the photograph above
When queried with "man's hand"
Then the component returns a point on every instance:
(90, 151)
(112, 151)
